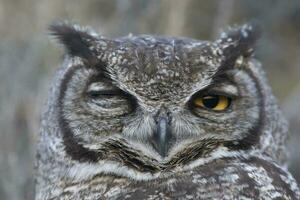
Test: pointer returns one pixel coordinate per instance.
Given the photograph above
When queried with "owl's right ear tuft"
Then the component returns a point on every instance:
(78, 41)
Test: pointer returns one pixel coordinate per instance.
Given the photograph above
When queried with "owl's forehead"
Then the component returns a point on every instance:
(161, 65)
(156, 52)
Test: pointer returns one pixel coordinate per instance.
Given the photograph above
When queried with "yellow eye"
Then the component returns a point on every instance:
(213, 102)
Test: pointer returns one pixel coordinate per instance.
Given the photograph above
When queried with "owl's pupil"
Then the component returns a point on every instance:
(210, 101)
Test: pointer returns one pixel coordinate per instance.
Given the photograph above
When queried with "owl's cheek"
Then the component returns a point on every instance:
(232, 124)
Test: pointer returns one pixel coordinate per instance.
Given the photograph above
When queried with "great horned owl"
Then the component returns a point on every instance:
(153, 117)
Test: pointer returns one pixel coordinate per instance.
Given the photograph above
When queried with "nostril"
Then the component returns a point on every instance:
(162, 113)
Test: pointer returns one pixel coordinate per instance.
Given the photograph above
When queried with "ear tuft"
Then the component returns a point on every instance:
(77, 41)
(238, 43)
(240, 40)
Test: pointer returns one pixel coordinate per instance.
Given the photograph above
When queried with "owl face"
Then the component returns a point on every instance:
(151, 101)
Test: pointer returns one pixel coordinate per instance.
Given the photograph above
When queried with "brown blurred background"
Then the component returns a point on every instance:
(28, 59)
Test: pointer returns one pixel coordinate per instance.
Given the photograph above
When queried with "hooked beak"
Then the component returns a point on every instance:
(162, 136)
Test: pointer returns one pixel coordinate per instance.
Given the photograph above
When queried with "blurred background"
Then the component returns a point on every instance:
(28, 59)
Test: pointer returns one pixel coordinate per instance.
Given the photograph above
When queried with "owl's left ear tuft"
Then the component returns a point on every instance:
(240, 40)
(78, 41)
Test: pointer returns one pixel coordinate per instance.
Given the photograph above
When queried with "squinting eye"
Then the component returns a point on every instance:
(104, 93)
(213, 102)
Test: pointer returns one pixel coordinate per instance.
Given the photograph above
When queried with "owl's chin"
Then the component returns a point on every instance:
(123, 155)
(86, 171)
(143, 168)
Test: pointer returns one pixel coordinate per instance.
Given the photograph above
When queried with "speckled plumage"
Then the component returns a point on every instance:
(99, 145)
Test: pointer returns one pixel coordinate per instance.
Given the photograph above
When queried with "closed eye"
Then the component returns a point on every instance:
(108, 96)
(103, 89)
(104, 93)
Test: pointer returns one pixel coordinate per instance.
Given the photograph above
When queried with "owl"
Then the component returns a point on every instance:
(157, 117)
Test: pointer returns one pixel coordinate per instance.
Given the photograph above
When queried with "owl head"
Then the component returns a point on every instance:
(154, 103)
